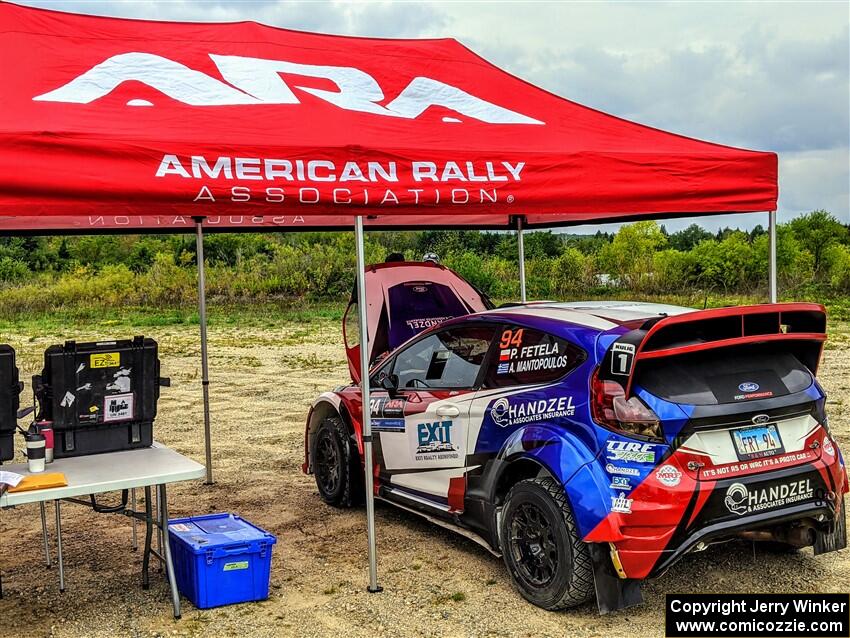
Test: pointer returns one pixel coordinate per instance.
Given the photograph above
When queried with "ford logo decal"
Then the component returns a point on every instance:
(761, 418)
(748, 386)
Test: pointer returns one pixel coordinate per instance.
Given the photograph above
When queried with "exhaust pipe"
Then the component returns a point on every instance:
(798, 536)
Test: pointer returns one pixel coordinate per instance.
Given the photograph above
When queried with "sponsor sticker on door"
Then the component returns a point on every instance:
(434, 441)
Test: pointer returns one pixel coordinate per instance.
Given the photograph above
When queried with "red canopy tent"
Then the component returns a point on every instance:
(125, 125)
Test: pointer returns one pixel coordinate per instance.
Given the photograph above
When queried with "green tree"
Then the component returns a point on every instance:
(817, 232)
(630, 255)
(726, 265)
(686, 239)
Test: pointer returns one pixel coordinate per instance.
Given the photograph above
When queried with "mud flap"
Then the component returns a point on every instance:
(836, 537)
(612, 592)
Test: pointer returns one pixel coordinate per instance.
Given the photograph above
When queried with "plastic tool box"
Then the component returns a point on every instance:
(10, 391)
(101, 397)
(220, 559)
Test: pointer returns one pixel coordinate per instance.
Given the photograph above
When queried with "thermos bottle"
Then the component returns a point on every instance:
(45, 428)
(36, 448)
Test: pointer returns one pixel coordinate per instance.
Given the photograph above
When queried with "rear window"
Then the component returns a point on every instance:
(526, 356)
(725, 376)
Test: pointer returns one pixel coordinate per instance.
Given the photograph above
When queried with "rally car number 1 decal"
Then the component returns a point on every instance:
(622, 358)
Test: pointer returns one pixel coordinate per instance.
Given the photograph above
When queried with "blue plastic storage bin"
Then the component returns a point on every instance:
(220, 559)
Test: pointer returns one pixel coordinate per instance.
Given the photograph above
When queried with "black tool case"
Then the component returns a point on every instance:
(101, 397)
(10, 392)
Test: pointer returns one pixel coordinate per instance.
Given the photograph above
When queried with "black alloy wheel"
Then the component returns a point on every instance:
(548, 562)
(336, 463)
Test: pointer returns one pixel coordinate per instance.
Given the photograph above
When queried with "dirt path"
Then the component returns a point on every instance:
(436, 584)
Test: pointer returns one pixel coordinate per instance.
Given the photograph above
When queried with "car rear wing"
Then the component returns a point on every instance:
(801, 325)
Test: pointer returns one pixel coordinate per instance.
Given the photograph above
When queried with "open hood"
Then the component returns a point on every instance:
(404, 298)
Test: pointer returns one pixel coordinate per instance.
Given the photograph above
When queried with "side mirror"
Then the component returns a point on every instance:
(389, 382)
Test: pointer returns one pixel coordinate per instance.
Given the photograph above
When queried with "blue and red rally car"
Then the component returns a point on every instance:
(593, 444)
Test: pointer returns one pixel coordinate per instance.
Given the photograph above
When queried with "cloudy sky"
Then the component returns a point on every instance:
(762, 75)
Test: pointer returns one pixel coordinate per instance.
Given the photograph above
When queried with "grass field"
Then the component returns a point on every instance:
(267, 364)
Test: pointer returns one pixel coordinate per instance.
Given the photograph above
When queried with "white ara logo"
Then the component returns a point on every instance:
(260, 81)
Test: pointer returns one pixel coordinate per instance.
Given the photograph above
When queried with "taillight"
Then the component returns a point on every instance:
(610, 408)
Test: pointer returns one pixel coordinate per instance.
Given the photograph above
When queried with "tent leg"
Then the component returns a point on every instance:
(205, 373)
(367, 416)
(772, 256)
(521, 246)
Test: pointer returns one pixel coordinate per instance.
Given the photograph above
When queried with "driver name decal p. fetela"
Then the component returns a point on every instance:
(542, 356)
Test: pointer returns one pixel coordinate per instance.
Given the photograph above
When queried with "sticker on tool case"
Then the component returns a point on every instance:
(230, 567)
(106, 360)
(118, 407)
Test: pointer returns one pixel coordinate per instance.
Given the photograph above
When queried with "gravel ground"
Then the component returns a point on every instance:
(436, 584)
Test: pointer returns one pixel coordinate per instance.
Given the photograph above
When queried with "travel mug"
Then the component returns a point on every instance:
(36, 448)
(45, 428)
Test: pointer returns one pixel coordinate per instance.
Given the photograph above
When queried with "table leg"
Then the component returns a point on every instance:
(133, 505)
(146, 558)
(44, 534)
(169, 565)
(158, 530)
(58, 504)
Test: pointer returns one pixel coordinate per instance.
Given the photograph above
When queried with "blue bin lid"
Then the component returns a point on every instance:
(216, 530)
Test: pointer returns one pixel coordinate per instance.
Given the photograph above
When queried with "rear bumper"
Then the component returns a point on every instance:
(728, 530)
(715, 512)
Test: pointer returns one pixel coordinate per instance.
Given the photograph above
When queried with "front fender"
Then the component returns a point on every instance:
(571, 462)
(327, 404)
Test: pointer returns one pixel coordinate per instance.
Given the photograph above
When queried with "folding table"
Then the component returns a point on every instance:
(124, 471)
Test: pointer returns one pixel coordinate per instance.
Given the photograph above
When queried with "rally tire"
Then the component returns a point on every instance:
(336, 464)
(545, 556)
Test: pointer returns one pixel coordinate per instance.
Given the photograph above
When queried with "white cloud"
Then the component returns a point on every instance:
(765, 75)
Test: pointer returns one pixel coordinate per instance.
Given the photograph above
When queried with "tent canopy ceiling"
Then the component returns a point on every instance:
(125, 124)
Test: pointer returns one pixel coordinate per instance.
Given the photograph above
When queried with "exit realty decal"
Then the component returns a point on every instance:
(434, 441)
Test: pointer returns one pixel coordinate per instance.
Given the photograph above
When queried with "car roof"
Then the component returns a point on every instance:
(599, 315)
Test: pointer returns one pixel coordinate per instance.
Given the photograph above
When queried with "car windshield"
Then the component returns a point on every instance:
(725, 375)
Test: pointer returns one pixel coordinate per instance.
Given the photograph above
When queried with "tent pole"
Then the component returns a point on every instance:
(772, 255)
(521, 246)
(202, 313)
(367, 414)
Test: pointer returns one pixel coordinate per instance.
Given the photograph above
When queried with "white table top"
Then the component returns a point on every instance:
(109, 472)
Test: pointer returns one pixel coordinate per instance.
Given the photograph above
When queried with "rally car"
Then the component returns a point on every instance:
(592, 445)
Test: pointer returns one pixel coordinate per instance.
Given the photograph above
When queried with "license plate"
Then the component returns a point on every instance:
(756, 442)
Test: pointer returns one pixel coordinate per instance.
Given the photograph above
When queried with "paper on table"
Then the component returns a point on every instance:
(10, 478)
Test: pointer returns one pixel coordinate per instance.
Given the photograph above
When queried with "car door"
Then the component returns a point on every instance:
(422, 431)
